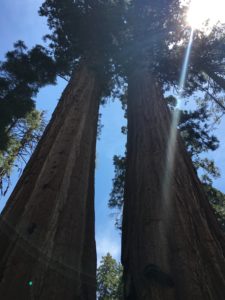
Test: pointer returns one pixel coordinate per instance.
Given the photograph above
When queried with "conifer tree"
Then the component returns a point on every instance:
(172, 246)
(109, 279)
(23, 138)
(47, 227)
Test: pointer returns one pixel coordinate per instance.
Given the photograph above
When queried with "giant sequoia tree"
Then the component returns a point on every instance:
(47, 227)
(172, 246)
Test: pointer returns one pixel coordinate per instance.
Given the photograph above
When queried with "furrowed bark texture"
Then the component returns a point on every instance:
(172, 247)
(47, 246)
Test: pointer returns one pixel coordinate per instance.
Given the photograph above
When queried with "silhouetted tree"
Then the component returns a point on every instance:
(22, 74)
(47, 226)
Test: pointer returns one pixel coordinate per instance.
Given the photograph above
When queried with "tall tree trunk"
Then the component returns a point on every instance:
(172, 247)
(47, 246)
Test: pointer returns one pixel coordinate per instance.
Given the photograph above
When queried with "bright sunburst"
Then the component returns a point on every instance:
(200, 11)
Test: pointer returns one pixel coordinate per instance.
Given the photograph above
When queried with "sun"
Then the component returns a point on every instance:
(202, 11)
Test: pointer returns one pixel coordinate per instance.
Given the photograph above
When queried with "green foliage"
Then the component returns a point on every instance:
(21, 75)
(194, 128)
(109, 279)
(150, 27)
(210, 170)
(206, 66)
(23, 138)
(117, 193)
(217, 200)
(156, 38)
(83, 29)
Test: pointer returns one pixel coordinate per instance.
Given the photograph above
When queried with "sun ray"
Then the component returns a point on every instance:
(171, 146)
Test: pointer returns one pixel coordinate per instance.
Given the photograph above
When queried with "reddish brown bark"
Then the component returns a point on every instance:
(47, 227)
(172, 246)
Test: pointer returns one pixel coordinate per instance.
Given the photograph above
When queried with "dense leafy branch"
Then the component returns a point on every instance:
(22, 74)
(23, 138)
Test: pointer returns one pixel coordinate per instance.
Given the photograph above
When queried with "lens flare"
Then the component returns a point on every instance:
(30, 283)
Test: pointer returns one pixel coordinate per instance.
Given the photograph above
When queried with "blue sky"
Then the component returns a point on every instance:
(19, 20)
